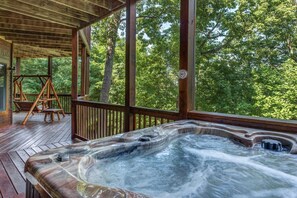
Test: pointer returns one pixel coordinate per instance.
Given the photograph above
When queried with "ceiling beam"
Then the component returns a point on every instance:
(85, 41)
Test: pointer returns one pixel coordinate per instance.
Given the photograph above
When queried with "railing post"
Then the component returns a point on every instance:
(18, 66)
(187, 57)
(130, 63)
(74, 80)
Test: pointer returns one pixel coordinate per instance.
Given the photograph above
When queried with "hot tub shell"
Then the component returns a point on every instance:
(58, 172)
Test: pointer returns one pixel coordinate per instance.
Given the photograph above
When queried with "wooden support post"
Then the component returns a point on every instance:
(88, 35)
(50, 73)
(83, 71)
(74, 80)
(10, 85)
(18, 66)
(130, 63)
(187, 57)
(50, 66)
(87, 75)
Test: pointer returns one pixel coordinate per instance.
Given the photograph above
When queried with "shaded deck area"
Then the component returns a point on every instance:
(19, 142)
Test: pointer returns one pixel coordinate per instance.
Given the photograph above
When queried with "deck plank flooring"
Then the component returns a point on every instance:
(18, 143)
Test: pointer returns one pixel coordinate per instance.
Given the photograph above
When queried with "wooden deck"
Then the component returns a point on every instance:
(18, 143)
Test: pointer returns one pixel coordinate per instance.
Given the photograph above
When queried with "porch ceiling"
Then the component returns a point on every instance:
(42, 28)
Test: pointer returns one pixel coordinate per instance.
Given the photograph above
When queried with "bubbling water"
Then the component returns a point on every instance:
(201, 166)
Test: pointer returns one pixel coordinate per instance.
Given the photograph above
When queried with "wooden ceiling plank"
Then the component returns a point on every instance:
(32, 33)
(83, 6)
(57, 8)
(9, 26)
(36, 23)
(36, 51)
(53, 44)
(38, 39)
(119, 7)
(106, 4)
(16, 17)
(35, 12)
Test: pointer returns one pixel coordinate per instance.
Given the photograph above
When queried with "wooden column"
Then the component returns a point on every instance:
(75, 48)
(187, 57)
(50, 73)
(87, 75)
(83, 71)
(88, 35)
(50, 66)
(130, 67)
(10, 84)
(18, 66)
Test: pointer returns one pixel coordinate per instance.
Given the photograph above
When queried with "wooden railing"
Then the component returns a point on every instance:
(96, 120)
(143, 117)
(65, 100)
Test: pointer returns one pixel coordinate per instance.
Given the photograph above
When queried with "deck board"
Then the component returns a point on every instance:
(14, 175)
(19, 142)
(6, 187)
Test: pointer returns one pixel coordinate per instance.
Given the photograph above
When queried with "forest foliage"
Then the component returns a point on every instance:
(245, 54)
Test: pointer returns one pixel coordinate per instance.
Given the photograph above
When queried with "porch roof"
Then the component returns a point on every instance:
(41, 28)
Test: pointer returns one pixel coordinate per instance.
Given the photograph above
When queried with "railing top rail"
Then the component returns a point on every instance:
(155, 112)
(99, 105)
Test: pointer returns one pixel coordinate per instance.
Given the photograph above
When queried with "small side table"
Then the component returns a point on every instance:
(51, 112)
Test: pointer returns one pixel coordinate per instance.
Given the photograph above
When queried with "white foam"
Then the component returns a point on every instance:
(246, 161)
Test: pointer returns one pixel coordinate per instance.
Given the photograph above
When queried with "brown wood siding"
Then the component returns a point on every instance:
(6, 116)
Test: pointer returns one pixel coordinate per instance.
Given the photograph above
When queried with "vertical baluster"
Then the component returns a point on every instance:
(87, 123)
(121, 122)
(113, 122)
(89, 130)
(139, 121)
(78, 120)
(97, 123)
(91, 123)
(144, 121)
(104, 122)
(134, 121)
(117, 124)
(108, 122)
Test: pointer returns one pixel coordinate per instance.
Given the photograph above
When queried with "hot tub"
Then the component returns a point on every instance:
(181, 159)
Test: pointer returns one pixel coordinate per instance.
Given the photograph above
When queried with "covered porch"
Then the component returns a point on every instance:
(61, 28)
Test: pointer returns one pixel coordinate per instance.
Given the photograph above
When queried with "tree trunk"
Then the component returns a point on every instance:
(112, 30)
